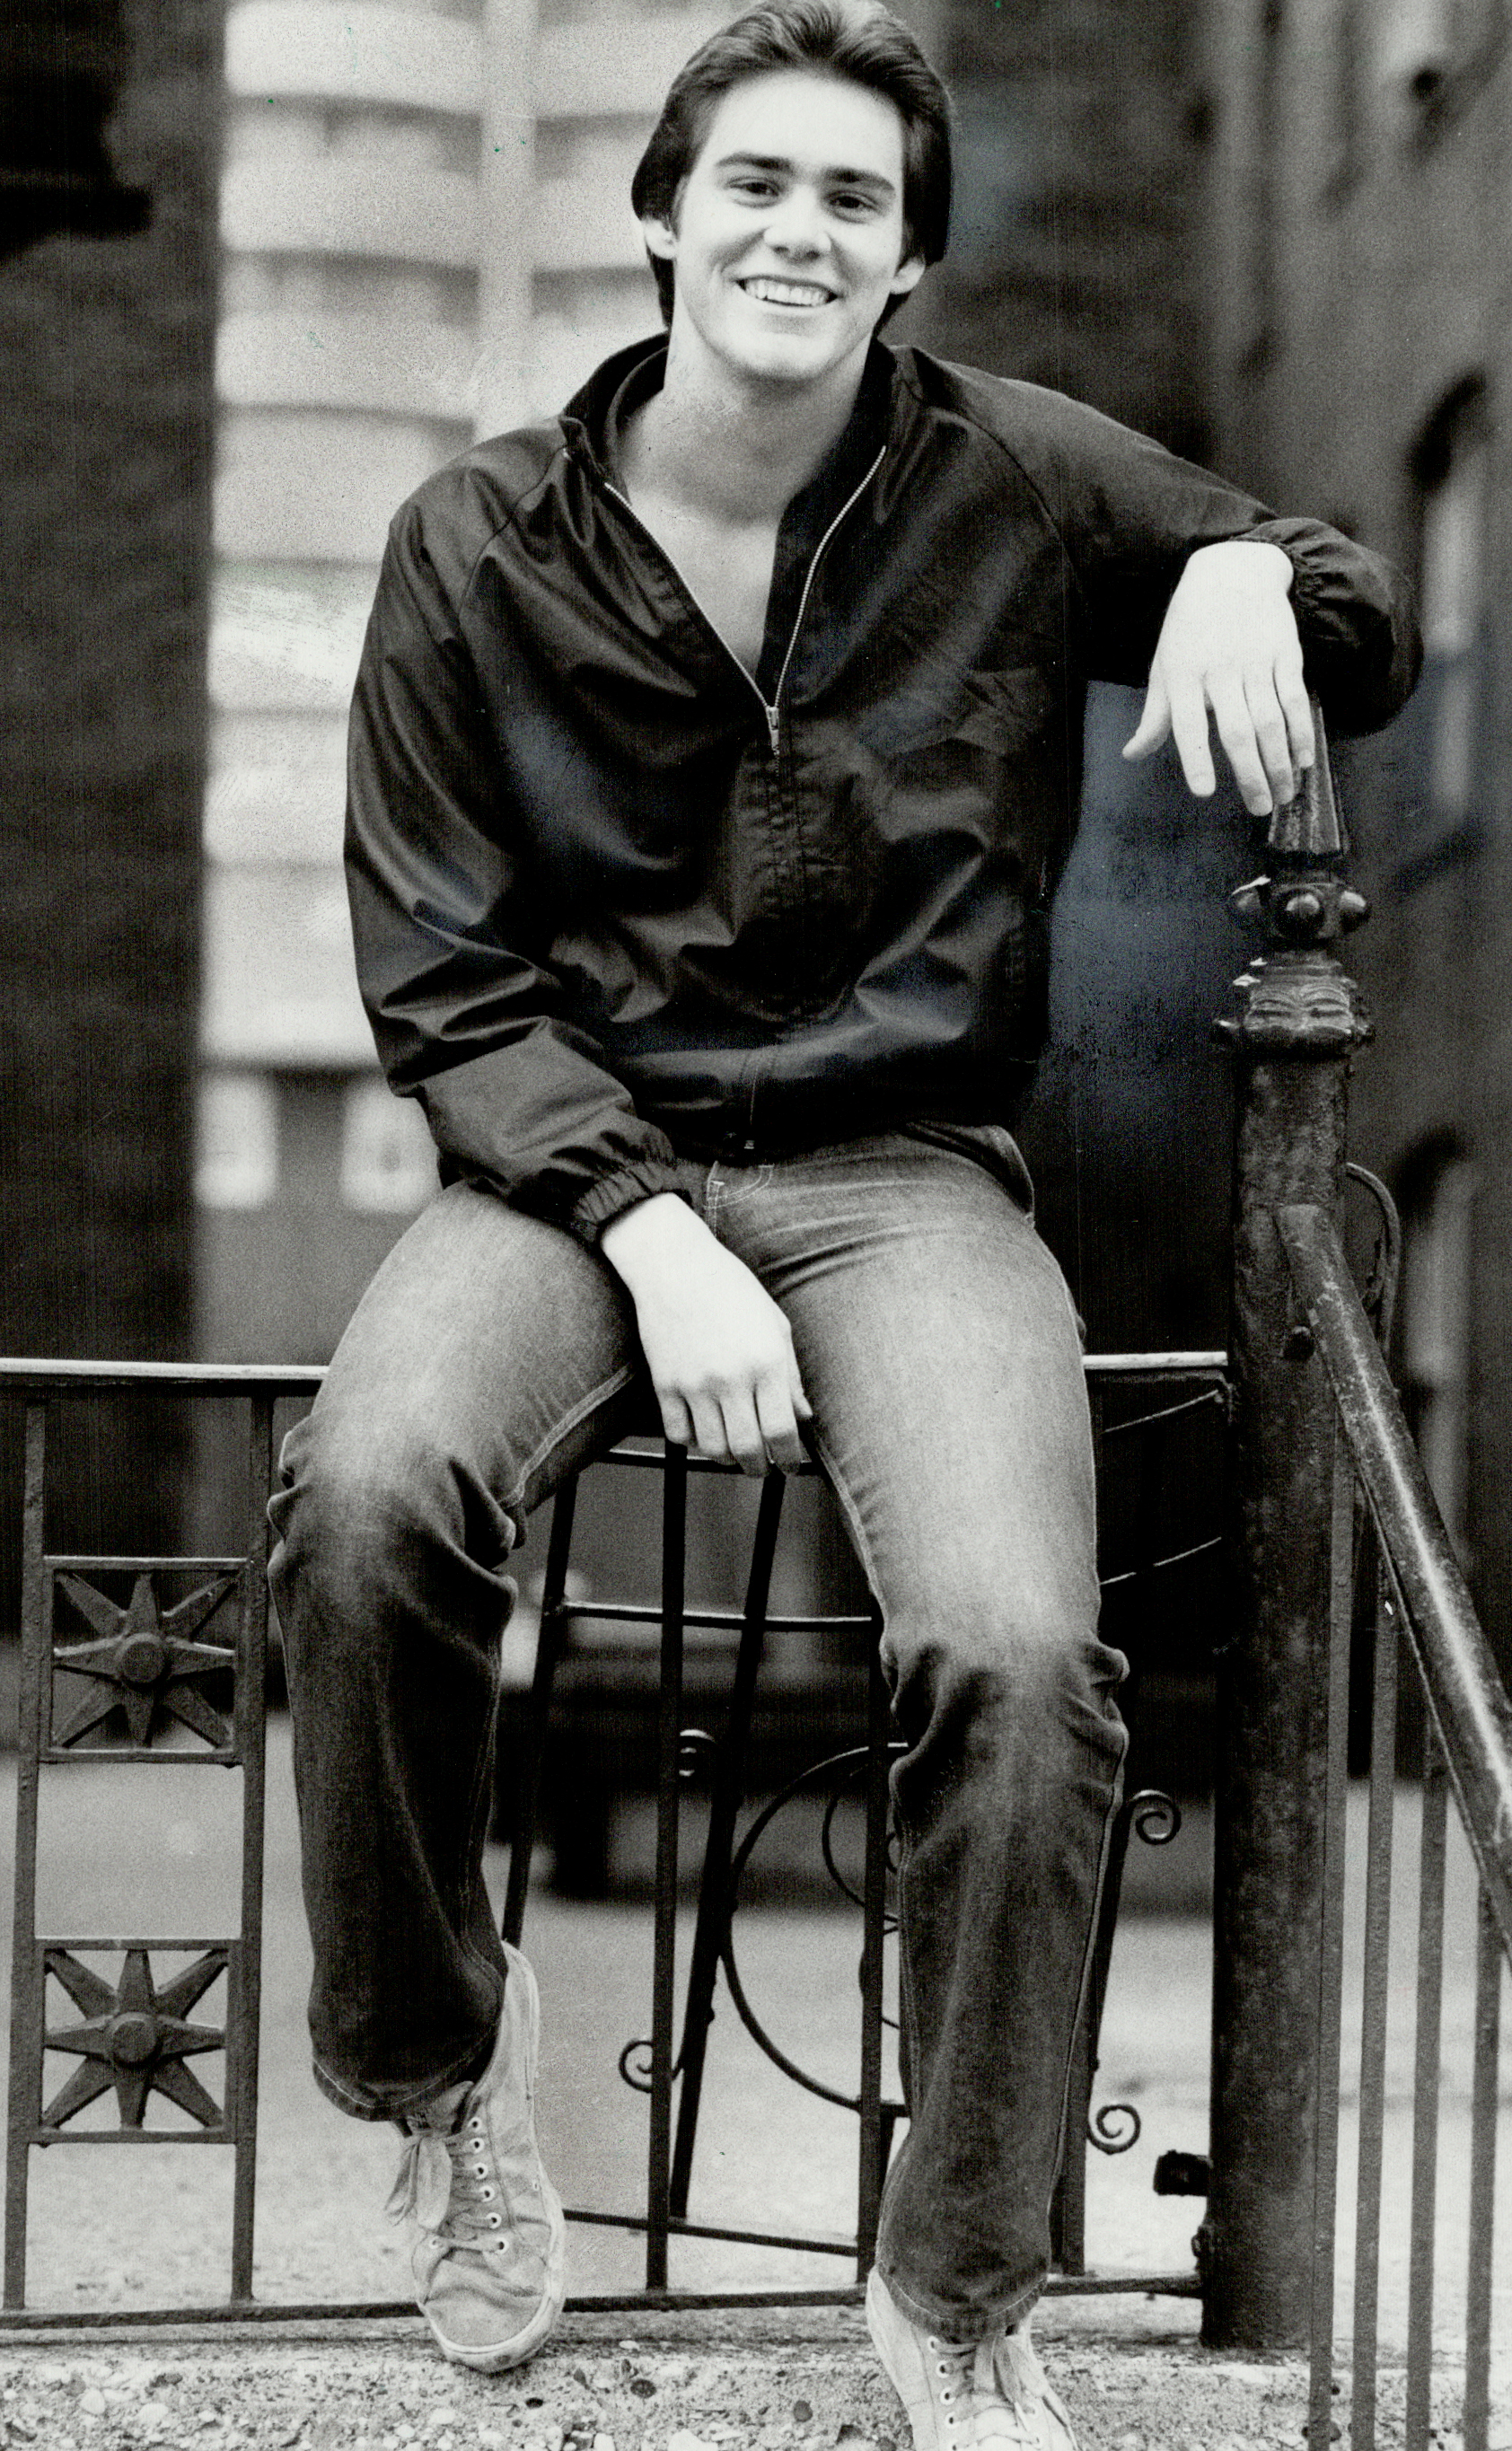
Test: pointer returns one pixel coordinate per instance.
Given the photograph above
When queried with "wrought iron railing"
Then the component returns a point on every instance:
(156, 1641)
(1333, 1513)
(1424, 1628)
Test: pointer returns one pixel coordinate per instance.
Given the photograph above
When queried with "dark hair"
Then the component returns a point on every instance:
(858, 41)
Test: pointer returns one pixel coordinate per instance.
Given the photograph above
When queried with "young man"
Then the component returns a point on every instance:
(714, 757)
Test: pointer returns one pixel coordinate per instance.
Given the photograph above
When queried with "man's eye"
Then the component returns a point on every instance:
(855, 204)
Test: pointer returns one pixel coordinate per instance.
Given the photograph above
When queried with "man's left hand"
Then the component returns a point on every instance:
(1229, 644)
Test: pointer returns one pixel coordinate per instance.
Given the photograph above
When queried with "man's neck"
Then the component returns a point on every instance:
(730, 447)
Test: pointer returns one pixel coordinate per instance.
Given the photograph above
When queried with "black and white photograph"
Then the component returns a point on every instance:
(756, 1225)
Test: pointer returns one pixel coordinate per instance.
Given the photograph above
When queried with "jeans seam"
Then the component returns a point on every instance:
(1114, 1797)
(483, 1763)
(561, 1431)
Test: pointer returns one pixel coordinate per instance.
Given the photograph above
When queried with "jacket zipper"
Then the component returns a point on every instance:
(772, 712)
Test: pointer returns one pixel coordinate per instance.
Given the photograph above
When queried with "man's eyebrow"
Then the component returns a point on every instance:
(841, 176)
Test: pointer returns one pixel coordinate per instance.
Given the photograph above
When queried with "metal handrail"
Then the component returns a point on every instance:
(1469, 1703)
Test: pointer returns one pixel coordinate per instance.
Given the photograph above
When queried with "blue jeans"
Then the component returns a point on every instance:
(491, 1355)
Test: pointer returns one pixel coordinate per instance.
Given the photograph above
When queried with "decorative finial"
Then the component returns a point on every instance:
(1297, 997)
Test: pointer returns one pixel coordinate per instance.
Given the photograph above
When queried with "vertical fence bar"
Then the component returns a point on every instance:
(713, 1923)
(868, 2173)
(1425, 2095)
(1483, 2177)
(28, 1982)
(1331, 1983)
(549, 1641)
(1375, 2003)
(1069, 2204)
(246, 1958)
(664, 1969)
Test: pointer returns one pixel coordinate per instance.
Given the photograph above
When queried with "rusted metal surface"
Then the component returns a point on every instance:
(1375, 2003)
(1331, 1983)
(1484, 2089)
(145, 1666)
(27, 2008)
(1424, 1615)
(1425, 2076)
(1471, 1707)
(1296, 1025)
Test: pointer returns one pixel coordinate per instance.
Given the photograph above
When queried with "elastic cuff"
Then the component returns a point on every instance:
(625, 1188)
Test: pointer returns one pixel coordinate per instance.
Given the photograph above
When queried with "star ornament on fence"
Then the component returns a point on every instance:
(134, 2037)
(146, 1662)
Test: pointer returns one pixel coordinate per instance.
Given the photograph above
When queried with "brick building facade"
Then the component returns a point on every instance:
(1360, 287)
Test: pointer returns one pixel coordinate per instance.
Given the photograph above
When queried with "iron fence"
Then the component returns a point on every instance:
(1389, 1545)
(120, 1651)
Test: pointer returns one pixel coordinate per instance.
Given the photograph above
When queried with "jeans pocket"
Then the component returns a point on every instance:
(991, 1146)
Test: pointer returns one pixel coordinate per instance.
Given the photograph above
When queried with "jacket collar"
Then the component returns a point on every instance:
(595, 415)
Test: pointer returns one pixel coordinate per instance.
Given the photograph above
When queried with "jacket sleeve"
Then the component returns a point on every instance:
(1130, 514)
(467, 1018)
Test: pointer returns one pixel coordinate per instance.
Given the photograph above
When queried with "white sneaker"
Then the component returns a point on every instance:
(966, 2397)
(1024, 2386)
(932, 2377)
(489, 2253)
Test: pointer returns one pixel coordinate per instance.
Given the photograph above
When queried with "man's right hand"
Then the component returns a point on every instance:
(718, 1348)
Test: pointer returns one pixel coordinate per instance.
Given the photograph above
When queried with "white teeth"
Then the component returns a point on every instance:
(786, 293)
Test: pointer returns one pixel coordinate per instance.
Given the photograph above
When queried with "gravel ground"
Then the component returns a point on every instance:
(677, 2384)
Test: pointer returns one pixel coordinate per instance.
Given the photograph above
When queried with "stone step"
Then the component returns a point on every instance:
(737, 2380)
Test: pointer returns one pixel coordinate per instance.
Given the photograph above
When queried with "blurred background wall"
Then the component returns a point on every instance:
(1269, 231)
(110, 112)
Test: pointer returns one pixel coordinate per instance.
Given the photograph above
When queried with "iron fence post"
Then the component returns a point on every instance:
(1297, 1022)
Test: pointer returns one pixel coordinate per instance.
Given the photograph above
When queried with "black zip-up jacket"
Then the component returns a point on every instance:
(615, 899)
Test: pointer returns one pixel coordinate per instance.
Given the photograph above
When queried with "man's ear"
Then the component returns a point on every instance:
(660, 239)
(908, 272)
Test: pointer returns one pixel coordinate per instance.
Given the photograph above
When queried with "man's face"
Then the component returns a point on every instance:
(787, 234)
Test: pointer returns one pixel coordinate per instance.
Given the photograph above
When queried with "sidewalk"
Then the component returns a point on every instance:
(123, 2227)
(729, 2381)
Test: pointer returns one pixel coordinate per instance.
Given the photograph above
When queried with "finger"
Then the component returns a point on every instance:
(801, 1402)
(677, 1422)
(708, 1429)
(1154, 721)
(1271, 736)
(776, 1412)
(742, 1435)
(1236, 731)
(1291, 689)
(1189, 727)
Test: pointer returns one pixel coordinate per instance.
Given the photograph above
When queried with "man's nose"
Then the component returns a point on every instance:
(797, 224)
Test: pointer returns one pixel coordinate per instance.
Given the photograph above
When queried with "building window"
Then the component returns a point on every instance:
(236, 1156)
(388, 1158)
(1437, 1217)
(1451, 470)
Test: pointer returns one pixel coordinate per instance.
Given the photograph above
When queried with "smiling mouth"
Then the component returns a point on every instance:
(787, 293)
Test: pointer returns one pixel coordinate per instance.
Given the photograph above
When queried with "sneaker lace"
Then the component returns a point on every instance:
(950, 2364)
(1015, 2398)
(448, 2184)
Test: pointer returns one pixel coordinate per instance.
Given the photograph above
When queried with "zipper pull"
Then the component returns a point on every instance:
(774, 728)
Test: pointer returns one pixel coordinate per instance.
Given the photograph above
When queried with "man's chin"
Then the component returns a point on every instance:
(792, 357)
